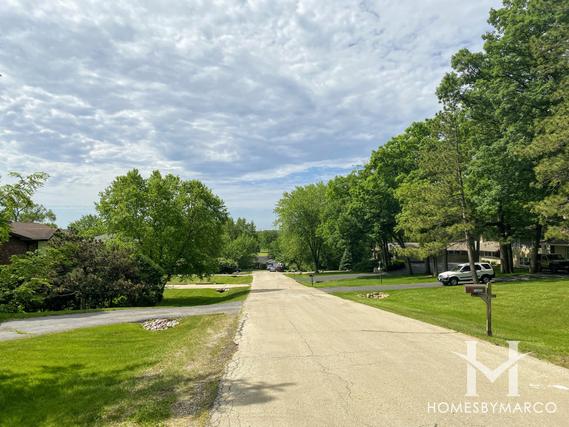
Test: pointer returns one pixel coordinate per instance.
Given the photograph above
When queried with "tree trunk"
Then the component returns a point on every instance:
(401, 242)
(503, 258)
(510, 258)
(534, 265)
(471, 256)
(428, 266)
(445, 258)
(409, 265)
(436, 265)
(477, 252)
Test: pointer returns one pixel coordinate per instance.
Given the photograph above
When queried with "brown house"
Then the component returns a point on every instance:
(24, 237)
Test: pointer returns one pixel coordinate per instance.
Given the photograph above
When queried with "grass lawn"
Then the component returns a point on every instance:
(172, 298)
(363, 281)
(189, 297)
(242, 279)
(119, 374)
(535, 313)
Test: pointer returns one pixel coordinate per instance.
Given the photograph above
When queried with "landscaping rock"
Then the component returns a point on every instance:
(376, 295)
(159, 324)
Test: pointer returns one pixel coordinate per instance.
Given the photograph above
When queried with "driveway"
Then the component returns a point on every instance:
(26, 328)
(307, 358)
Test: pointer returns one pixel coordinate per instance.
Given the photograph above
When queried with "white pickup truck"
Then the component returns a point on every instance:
(462, 274)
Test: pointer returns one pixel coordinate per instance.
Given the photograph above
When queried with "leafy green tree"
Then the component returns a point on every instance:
(437, 206)
(551, 147)
(267, 238)
(16, 203)
(176, 223)
(346, 261)
(509, 90)
(241, 242)
(88, 226)
(374, 200)
(291, 250)
(342, 225)
(300, 215)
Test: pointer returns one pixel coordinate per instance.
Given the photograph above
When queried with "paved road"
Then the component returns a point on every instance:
(307, 358)
(26, 328)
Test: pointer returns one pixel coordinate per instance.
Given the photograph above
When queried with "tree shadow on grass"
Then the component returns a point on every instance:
(195, 300)
(71, 395)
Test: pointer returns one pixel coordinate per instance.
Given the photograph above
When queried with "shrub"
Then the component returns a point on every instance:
(396, 264)
(75, 273)
(365, 266)
(226, 265)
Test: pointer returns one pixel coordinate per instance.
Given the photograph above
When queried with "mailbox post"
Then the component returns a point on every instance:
(485, 293)
(311, 279)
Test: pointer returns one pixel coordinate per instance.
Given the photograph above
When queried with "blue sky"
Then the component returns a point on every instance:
(251, 97)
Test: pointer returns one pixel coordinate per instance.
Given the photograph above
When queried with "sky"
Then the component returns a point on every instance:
(252, 97)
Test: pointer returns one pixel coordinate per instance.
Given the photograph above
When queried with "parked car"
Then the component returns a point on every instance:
(553, 262)
(462, 274)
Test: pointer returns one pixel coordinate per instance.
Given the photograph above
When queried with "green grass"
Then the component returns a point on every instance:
(119, 374)
(172, 298)
(535, 313)
(190, 297)
(242, 279)
(363, 281)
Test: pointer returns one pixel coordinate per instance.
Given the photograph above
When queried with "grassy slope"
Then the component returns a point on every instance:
(534, 313)
(189, 297)
(115, 374)
(172, 298)
(364, 281)
(244, 279)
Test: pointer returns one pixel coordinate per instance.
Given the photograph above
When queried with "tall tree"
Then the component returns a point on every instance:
(88, 226)
(240, 242)
(342, 227)
(374, 200)
(176, 223)
(509, 89)
(300, 215)
(435, 198)
(551, 147)
(16, 203)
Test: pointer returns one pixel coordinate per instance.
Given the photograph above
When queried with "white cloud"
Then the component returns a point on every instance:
(260, 95)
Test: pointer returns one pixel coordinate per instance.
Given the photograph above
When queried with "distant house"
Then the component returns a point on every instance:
(24, 237)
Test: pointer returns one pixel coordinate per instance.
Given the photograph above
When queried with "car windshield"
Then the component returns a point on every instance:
(457, 268)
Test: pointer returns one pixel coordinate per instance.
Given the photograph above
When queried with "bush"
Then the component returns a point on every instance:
(365, 266)
(396, 264)
(226, 265)
(76, 273)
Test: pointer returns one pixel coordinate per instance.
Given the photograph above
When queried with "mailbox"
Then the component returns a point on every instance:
(475, 290)
(484, 292)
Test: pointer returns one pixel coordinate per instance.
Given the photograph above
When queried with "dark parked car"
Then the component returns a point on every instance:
(553, 262)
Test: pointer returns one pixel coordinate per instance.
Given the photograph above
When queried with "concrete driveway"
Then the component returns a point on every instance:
(307, 358)
(26, 328)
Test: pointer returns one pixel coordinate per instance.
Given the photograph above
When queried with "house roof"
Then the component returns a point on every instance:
(485, 245)
(32, 231)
